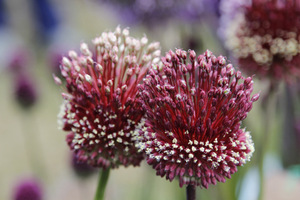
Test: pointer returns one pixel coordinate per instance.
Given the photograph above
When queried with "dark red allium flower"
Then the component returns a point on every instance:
(264, 35)
(101, 110)
(194, 108)
(28, 189)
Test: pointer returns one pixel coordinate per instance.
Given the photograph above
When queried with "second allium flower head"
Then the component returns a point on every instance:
(194, 108)
(101, 110)
(264, 36)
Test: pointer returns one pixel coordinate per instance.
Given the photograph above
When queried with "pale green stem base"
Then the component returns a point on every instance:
(265, 140)
(102, 181)
(33, 146)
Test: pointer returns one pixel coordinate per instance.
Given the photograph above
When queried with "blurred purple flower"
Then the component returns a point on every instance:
(81, 168)
(25, 91)
(28, 189)
(154, 12)
(2, 13)
(46, 17)
(195, 10)
(54, 61)
(19, 61)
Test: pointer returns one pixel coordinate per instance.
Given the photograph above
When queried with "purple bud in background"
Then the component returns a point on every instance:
(25, 91)
(54, 60)
(28, 189)
(19, 61)
(81, 168)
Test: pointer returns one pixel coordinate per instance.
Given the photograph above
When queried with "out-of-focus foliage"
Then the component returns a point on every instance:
(32, 146)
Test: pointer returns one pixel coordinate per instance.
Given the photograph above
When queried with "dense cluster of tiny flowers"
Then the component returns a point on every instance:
(101, 110)
(28, 189)
(194, 108)
(264, 36)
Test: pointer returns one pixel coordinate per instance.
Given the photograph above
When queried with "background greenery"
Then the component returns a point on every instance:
(37, 127)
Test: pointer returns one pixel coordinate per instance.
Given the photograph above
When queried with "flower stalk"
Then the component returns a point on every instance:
(102, 182)
(190, 192)
(265, 141)
(33, 148)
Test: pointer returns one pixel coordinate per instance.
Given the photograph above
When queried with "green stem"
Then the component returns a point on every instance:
(33, 146)
(290, 154)
(102, 181)
(190, 192)
(265, 140)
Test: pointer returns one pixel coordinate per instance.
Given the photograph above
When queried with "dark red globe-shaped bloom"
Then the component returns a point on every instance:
(194, 108)
(101, 110)
(28, 189)
(264, 35)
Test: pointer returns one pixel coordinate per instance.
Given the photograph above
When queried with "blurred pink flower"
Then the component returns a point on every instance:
(28, 189)
(25, 91)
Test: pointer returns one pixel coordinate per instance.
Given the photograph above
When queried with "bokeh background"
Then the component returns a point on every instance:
(35, 34)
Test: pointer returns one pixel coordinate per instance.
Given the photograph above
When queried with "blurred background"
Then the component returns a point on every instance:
(35, 34)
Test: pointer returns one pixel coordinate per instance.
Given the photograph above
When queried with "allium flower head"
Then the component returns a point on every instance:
(28, 189)
(101, 110)
(194, 108)
(264, 36)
